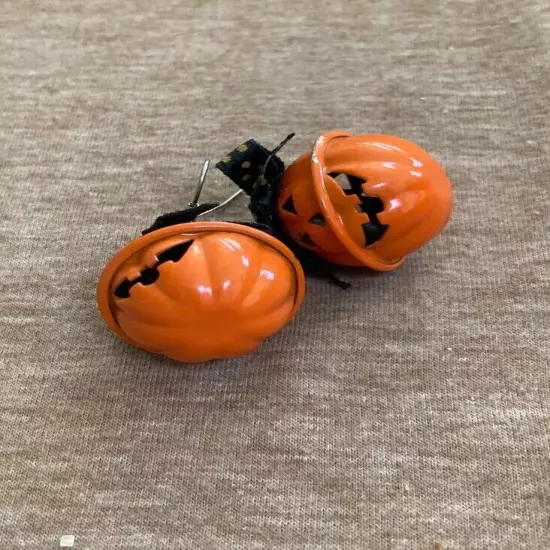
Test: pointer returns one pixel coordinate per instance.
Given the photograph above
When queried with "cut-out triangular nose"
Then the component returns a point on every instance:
(289, 205)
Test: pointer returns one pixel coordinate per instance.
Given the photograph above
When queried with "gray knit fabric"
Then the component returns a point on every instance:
(410, 412)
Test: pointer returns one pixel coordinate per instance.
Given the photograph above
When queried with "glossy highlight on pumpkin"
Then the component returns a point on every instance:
(200, 291)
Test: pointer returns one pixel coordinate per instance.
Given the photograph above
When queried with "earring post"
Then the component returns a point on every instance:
(200, 183)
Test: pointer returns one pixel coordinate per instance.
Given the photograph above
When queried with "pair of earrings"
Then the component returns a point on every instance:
(197, 290)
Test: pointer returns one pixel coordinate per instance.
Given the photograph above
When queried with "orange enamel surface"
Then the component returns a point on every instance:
(234, 287)
(414, 189)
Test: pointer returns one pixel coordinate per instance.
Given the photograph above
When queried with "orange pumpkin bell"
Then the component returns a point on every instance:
(202, 290)
(364, 200)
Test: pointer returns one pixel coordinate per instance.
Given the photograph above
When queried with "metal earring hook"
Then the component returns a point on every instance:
(222, 204)
(194, 210)
(198, 190)
(200, 184)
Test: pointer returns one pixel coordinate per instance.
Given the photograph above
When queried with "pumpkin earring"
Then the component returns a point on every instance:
(200, 290)
(367, 200)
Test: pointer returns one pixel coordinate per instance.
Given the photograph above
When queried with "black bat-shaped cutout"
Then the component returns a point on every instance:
(149, 275)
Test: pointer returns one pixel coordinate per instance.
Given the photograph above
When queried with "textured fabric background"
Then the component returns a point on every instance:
(411, 412)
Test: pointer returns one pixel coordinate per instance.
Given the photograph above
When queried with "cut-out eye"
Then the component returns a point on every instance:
(289, 205)
(317, 219)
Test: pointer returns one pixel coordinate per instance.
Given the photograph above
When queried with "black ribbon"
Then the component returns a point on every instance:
(179, 216)
(258, 171)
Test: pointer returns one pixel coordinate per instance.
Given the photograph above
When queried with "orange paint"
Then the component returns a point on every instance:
(402, 199)
(201, 290)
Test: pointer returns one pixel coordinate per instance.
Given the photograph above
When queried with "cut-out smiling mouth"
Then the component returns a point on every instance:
(149, 275)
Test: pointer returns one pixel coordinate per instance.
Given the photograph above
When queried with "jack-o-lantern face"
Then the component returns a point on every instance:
(364, 200)
(201, 291)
